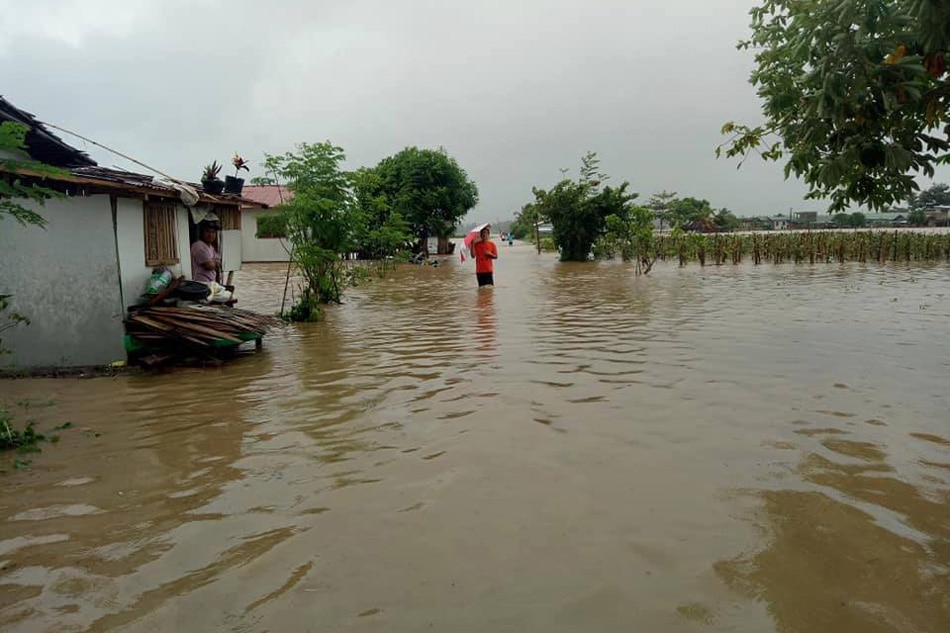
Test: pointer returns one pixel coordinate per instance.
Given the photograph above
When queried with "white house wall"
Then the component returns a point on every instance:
(257, 249)
(65, 279)
(231, 251)
(130, 230)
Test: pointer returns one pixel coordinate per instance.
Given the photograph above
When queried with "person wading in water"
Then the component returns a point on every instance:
(485, 253)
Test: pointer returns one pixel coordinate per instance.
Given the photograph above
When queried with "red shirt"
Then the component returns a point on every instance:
(484, 263)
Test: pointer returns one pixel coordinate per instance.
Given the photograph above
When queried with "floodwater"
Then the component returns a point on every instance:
(720, 449)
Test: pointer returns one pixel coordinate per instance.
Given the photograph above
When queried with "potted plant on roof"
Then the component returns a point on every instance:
(233, 184)
(209, 179)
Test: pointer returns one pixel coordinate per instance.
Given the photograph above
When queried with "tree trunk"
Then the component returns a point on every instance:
(422, 246)
(444, 246)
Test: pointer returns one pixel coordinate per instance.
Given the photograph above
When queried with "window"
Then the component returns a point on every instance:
(230, 218)
(161, 244)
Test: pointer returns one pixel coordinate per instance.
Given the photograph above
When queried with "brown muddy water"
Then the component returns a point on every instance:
(718, 449)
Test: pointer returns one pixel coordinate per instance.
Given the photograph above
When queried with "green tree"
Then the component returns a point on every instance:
(523, 225)
(917, 217)
(578, 210)
(428, 189)
(726, 220)
(854, 95)
(660, 204)
(321, 222)
(936, 196)
(630, 231)
(382, 232)
(685, 210)
(857, 220)
(841, 220)
(576, 225)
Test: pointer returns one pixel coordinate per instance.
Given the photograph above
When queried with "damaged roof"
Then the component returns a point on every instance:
(78, 168)
(43, 145)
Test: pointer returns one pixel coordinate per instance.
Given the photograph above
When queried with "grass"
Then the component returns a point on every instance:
(24, 441)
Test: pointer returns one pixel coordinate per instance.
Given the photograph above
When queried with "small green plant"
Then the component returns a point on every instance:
(26, 440)
(306, 309)
(211, 172)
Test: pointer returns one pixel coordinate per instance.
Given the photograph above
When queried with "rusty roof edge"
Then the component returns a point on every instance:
(154, 187)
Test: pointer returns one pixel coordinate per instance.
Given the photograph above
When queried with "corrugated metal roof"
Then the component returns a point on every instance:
(42, 145)
(45, 147)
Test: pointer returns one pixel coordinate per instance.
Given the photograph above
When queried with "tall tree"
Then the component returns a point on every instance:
(684, 211)
(381, 231)
(629, 231)
(726, 220)
(428, 188)
(576, 225)
(578, 210)
(321, 221)
(660, 204)
(936, 196)
(855, 95)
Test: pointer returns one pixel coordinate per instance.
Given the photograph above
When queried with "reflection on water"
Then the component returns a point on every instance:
(726, 449)
(485, 337)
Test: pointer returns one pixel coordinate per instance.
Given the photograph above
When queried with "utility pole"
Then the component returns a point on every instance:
(537, 228)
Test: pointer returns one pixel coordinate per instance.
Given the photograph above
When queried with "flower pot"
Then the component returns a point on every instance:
(214, 187)
(233, 185)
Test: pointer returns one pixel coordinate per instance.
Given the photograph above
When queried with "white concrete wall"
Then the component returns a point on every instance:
(231, 246)
(131, 233)
(255, 249)
(66, 280)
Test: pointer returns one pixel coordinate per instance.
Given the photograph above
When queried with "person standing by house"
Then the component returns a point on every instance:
(485, 253)
(205, 259)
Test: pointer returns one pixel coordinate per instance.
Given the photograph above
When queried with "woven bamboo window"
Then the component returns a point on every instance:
(230, 218)
(161, 245)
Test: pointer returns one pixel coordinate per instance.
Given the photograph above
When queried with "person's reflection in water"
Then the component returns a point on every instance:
(486, 322)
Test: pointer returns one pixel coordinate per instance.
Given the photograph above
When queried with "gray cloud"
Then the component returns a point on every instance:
(514, 90)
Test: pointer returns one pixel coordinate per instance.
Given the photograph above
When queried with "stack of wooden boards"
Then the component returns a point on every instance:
(198, 328)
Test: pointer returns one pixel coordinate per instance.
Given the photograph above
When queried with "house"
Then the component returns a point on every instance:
(264, 245)
(755, 223)
(75, 278)
(779, 222)
(894, 219)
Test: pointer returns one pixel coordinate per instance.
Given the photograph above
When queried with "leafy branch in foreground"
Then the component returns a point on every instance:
(13, 190)
(855, 96)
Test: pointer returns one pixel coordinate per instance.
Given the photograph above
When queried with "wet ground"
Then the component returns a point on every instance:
(720, 449)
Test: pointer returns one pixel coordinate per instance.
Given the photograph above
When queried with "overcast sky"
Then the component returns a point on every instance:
(514, 90)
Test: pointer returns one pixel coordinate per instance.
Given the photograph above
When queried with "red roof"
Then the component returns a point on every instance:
(271, 195)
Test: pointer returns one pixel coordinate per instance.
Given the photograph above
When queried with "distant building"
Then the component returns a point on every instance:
(886, 219)
(806, 217)
(779, 222)
(259, 246)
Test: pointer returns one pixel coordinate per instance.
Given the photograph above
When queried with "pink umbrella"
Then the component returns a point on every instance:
(471, 237)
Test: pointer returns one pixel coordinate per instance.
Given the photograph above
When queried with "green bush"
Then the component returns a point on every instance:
(271, 225)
